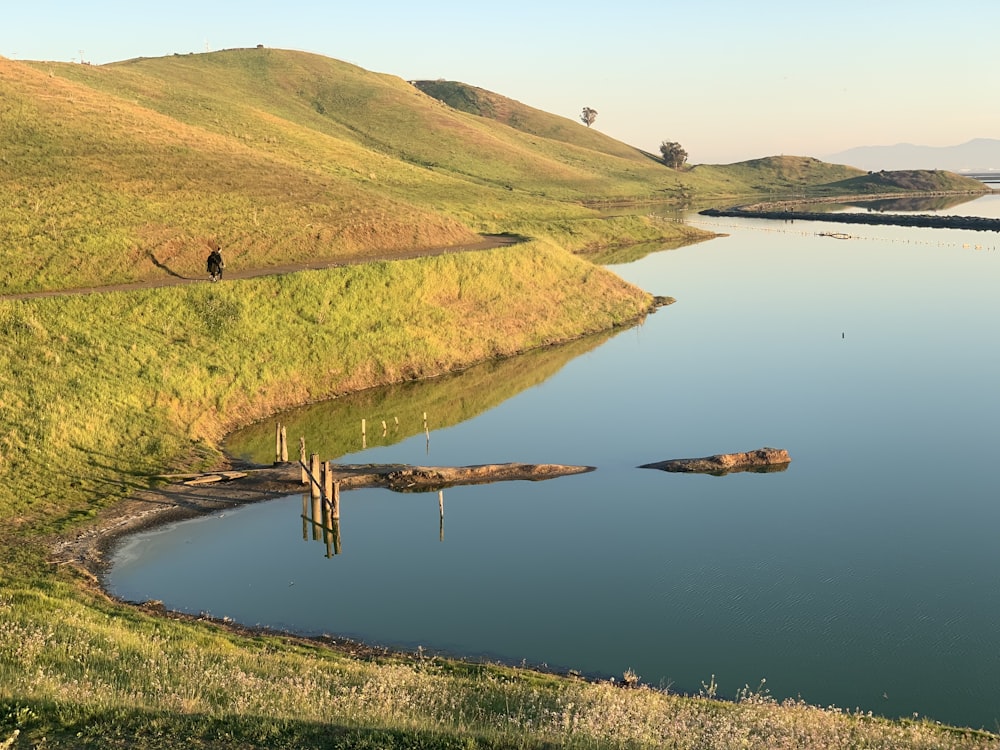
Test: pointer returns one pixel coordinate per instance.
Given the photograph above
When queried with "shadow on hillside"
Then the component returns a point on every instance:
(165, 267)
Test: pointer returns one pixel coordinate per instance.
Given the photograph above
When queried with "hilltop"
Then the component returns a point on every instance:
(131, 171)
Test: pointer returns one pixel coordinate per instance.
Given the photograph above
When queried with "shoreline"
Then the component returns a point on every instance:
(784, 211)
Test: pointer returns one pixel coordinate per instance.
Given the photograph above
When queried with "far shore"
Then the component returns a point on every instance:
(784, 211)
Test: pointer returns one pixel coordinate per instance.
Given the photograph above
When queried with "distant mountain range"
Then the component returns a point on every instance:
(978, 155)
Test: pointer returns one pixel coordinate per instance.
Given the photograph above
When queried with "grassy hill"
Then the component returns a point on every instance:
(132, 170)
(922, 181)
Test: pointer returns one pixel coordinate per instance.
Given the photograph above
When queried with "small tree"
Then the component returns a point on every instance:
(588, 116)
(674, 155)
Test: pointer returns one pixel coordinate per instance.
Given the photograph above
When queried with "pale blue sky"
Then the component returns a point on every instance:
(728, 79)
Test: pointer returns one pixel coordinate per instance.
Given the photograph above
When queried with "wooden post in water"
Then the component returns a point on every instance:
(284, 445)
(277, 442)
(364, 436)
(302, 459)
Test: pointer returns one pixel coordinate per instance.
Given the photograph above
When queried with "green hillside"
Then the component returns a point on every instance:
(131, 171)
(776, 174)
(922, 181)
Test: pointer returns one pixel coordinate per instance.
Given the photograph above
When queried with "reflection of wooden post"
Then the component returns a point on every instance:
(305, 518)
(302, 459)
(440, 515)
(328, 481)
(364, 435)
(385, 429)
(317, 516)
(335, 501)
(284, 445)
(314, 480)
(327, 532)
(335, 532)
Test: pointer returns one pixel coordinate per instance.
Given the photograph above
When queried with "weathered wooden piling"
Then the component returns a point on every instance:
(284, 445)
(302, 459)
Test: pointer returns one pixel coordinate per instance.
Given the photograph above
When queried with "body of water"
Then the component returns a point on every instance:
(865, 575)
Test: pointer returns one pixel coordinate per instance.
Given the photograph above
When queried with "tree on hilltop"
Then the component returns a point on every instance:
(588, 116)
(674, 155)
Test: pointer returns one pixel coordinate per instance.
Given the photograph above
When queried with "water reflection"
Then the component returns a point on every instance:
(318, 517)
(321, 523)
(396, 413)
(920, 204)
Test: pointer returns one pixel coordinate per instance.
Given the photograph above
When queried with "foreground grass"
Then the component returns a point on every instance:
(101, 391)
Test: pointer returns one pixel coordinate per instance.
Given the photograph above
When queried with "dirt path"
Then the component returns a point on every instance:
(487, 242)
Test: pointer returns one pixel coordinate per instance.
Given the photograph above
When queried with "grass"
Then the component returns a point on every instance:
(130, 171)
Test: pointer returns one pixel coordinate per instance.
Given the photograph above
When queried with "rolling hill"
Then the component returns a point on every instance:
(132, 170)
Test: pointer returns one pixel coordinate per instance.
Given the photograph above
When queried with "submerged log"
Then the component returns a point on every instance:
(760, 460)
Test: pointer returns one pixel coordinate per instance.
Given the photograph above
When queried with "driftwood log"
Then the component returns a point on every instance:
(398, 477)
(426, 478)
(760, 460)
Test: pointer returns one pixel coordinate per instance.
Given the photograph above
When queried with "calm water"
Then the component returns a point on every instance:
(866, 575)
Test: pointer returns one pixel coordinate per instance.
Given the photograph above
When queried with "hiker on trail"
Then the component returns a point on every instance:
(215, 264)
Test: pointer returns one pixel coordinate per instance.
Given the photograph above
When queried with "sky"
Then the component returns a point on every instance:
(727, 79)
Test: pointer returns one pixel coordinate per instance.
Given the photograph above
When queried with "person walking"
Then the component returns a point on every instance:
(215, 264)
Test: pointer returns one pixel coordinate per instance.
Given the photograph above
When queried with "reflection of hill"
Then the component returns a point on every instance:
(333, 428)
(631, 253)
(915, 204)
